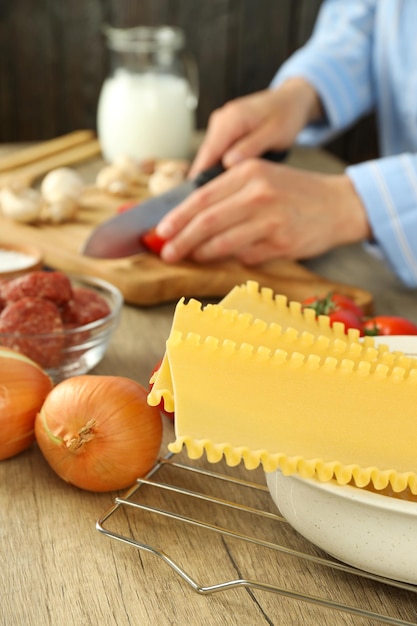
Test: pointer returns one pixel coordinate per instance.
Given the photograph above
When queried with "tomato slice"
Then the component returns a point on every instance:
(153, 241)
(126, 207)
(389, 325)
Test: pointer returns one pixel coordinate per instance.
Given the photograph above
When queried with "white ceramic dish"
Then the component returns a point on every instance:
(16, 260)
(404, 343)
(373, 532)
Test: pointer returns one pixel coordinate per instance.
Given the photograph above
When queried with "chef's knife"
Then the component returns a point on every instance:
(121, 236)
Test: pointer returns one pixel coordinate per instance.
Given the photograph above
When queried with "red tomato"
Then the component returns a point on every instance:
(333, 302)
(389, 325)
(152, 241)
(339, 308)
(346, 303)
(161, 406)
(349, 319)
(125, 207)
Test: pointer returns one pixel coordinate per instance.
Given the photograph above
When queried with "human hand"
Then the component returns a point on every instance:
(257, 211)
(248, 126)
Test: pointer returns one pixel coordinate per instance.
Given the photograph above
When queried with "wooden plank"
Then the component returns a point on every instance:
(145, 279)
(53, 88)
(31, 171)
(303, 20)
(261, 43)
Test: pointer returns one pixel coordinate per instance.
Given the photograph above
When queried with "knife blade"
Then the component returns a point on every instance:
(121, 236)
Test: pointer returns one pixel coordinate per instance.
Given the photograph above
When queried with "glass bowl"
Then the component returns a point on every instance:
(72, 351)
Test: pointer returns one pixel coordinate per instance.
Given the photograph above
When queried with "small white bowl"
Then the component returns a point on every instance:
(370, 531)
(16, 260)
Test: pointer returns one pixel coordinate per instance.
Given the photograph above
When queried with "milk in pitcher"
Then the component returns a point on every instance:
(146, 116)
(147, 104)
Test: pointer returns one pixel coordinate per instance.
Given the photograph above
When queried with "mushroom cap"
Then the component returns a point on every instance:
(61, 182)
(21, 204)
(60, 211)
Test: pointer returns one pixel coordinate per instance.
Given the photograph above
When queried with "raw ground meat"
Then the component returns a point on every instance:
(2, 299)
(54, 286)
(33, 316)
(85, 306)
(46, 303)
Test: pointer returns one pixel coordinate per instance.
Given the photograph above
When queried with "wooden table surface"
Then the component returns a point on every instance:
(57, 569)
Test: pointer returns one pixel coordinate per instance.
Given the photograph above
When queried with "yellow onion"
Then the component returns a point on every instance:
(23, 389)
(98, 432)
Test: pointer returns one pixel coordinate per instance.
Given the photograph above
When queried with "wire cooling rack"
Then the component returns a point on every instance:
(137, 500)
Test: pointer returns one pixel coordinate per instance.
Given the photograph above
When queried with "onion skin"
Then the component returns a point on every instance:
(23, 388)
(98, 432)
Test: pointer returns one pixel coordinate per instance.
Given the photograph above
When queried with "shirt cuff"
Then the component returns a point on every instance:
(388, 190)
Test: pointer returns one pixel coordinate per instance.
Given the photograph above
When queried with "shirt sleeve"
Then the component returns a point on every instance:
(337, 62)
(388, 190)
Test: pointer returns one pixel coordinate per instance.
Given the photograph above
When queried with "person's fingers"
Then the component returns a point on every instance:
(222, 223)
(224, 128)
(258, 252)
(216, 222)
(247, 126)
(206, 196)
(229, 241)
(209, 154)
(253, 145)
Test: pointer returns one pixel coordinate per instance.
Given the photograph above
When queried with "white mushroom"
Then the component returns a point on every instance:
(172, 166)
(61, 190)
(22, 204)
(123, 177)
(130, 169)
(61, 183)
(167, 174)
(113, 180)
(61, 210)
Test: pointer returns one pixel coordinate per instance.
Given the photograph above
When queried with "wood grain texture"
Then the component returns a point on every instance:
(39, 151)
(53, 57)
(57, 569)
(29, 173)
(145, 279)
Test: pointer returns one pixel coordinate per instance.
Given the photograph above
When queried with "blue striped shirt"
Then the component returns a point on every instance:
(362, 56)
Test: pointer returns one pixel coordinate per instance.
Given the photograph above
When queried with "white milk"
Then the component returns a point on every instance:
(145, 116)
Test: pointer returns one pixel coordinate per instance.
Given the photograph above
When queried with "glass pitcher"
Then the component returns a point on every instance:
(147, 104)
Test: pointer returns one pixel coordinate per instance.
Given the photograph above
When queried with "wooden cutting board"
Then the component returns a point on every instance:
(145, 280)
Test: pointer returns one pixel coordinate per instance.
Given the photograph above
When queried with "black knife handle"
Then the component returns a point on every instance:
(212, 172)
(207, 175)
